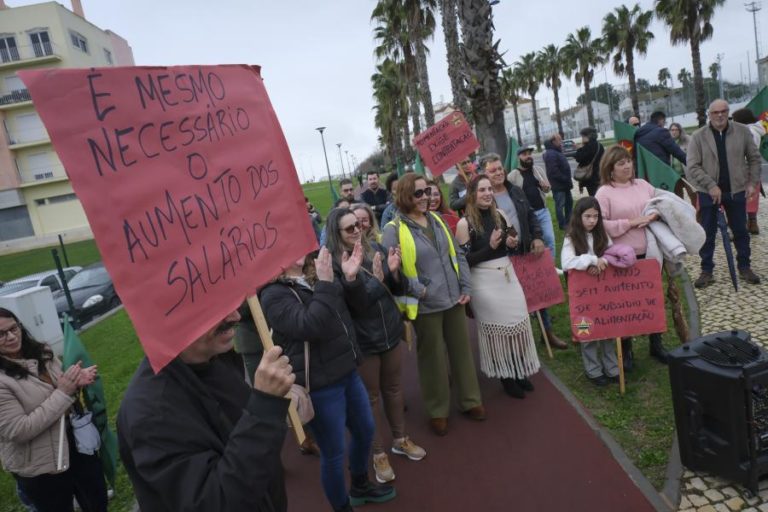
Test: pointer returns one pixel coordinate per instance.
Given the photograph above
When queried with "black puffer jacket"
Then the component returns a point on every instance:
(586, 154)
(322, 319)
(378, 322)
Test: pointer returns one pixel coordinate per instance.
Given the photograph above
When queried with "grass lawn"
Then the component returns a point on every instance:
(641, 421)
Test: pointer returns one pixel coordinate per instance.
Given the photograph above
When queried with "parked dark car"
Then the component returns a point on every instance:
(92, 293)
(569, 148)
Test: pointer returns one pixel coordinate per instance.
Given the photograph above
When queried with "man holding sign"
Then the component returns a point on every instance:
(195, 436)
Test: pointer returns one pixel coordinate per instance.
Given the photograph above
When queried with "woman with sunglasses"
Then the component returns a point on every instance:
(437, 286)
(507, 349)
(307, 304)
(379, 329)
(35, 397)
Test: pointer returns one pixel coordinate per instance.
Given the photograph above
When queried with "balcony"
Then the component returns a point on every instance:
(15, 99)
(41, 175)
(31, 55)
(27, 138)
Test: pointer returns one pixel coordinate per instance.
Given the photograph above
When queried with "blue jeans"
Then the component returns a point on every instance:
(563, 206)
(736, 213)
(340, 407)
(547, 229)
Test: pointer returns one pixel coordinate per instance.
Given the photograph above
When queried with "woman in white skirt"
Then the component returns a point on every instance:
(507, 348)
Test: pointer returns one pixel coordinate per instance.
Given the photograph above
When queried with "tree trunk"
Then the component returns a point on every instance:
(492, 137)
(423, 73)
(555, 89)
(517, 123)
(632, 82)
(413, 90)
(407, 148)
(590, 114)
(535, 122)
(698, 82)
(454, 57)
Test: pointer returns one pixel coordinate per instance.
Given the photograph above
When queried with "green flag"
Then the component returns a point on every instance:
(418, 166)
(759, 106)
(658, 174)
(510, 162)
(624, 134)
(400, 168)
(95, 402)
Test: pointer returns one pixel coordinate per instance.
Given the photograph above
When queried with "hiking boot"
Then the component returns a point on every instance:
(513, 388)
(381, 467)
(408, 448)
(705, 279)
(749, 276)
(752, 226)
(525, 384)
(364, 491)
(600, 381)
(656, 349)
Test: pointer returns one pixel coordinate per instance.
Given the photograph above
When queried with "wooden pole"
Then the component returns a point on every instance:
(266, 341)
(544, 335)
(620, 359)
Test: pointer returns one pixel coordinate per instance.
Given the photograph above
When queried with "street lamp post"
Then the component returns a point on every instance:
(341, 160)
(327, 167)
(349, 166)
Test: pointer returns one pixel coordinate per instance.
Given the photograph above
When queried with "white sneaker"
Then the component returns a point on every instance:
(408, 448)
(559, 271)
(381, 467)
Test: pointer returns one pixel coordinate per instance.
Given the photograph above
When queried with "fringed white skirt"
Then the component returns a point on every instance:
(507, 347)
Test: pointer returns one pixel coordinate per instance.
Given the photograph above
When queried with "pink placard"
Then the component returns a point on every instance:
(446, 143)
(188, 185)
(538, 277)
(619, 302)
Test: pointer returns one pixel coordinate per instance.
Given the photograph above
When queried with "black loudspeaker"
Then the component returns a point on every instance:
(720, 396)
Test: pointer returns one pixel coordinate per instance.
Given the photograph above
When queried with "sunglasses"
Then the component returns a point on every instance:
(351, 228)
(418, 194)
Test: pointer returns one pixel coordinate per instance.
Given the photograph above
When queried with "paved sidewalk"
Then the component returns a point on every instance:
(721, 308)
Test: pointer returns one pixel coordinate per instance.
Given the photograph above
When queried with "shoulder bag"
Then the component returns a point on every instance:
(299, 394)
(584, 172)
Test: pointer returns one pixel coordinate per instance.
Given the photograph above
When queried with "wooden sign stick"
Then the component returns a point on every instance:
(544, 335)
(620, 359)
(266, 341)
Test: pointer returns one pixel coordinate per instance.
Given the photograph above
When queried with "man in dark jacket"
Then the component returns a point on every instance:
(375, 196)
(656, 139)
(590, 151)
(559, 176)
(196, 436)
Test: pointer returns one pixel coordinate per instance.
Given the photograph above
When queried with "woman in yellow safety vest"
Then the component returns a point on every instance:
(437, 288)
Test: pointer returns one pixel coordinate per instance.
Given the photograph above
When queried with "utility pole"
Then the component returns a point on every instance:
(754, 7)
(341, 160)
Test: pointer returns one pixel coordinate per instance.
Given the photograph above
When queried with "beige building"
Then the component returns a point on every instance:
(36, 198)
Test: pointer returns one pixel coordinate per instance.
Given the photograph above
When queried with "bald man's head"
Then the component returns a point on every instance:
(718, 114)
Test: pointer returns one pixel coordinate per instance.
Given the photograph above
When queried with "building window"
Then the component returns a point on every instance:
(8, 50)
(56, 199)
(108, 56)
(79, 41)
(41, 43)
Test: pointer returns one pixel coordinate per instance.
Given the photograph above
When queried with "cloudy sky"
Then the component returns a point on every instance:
(317, 56)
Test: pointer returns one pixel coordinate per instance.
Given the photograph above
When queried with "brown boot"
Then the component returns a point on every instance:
(554, 341)
(752, 226)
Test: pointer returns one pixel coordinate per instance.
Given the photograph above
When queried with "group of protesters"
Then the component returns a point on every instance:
(198, 436)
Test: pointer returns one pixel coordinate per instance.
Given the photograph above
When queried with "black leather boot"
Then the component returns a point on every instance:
(364, 491)
(656, 349)
(513, 388)
(627, 354)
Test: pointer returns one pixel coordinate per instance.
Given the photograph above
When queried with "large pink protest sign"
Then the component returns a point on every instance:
(188, 185)
(446, 143)
(539, 280)
(619, 302)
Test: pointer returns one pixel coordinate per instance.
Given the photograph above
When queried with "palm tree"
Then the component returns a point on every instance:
(664, 77)
(581, 55)
(454, 56)
(689, 22)
(625, 32)
(510, 89)
(391, 103)
(421, 26)
(483, 65)
(684, 77)
(552, 66)
(529, 69)
(391, 32)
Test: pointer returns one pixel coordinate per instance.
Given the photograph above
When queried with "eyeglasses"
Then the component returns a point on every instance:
(718, 112)
(351, 228)
(418, 194)
(15, 330)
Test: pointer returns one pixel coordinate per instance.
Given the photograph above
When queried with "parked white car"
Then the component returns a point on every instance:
(49, 278)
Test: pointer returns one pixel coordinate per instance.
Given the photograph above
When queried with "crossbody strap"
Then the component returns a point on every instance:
(306, 348)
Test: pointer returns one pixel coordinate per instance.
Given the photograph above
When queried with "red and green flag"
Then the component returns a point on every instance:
(759, 106)
(93, 396)
(624, 134)
(510, 162)
(658, 174)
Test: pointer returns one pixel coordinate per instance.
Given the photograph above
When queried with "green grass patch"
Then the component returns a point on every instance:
(24, 263)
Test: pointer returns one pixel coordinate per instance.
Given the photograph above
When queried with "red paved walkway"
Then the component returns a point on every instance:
(535, 454)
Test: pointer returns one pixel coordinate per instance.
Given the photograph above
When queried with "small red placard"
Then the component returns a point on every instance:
(446, 143)
(538, 277)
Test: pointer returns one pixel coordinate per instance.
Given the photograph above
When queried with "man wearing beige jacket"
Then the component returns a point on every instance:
(724, 166)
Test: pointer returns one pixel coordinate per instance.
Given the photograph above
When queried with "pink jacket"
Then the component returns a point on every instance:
(620, 255)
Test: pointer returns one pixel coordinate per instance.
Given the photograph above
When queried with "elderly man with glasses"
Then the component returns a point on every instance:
(724, 166)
